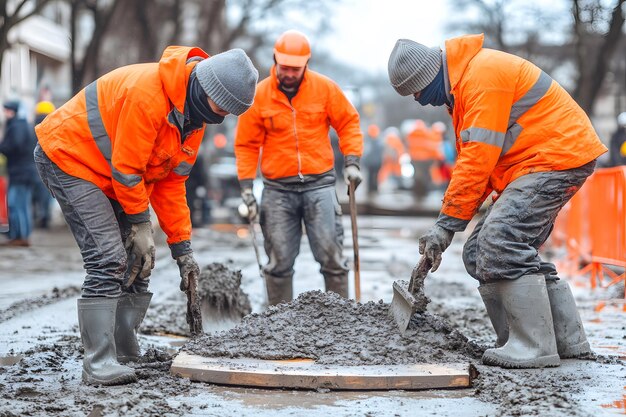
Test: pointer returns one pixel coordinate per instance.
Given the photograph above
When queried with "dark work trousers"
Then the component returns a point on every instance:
(504, 245)
(282, 215)
(99, 226)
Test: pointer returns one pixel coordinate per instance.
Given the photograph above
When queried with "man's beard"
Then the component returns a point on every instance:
(289, 83)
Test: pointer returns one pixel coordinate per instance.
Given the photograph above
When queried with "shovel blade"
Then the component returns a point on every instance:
(403, 305)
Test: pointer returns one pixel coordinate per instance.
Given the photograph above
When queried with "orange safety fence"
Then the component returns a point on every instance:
(593, 228)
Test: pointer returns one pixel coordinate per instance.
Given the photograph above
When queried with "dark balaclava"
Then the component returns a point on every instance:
(435, 92)
(197, 107)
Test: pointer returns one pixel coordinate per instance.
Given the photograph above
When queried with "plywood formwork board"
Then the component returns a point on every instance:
(306, 374)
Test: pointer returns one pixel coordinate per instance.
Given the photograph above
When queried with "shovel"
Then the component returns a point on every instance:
(194, 314)
(258, 258)
(409, 298)
(355, 241)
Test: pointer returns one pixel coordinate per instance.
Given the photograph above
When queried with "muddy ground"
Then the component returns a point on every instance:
(41, 353)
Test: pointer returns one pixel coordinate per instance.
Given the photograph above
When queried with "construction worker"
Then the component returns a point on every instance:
(17, 146)
(290, 120)
(41, 196)
(125, 142)
(373, 157)
(423, 151)
(520, 135)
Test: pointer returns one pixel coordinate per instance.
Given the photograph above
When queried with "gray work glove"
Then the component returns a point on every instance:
(248, 198)
(434, 243)
(352, 173)
(189, 269)
(141, 252)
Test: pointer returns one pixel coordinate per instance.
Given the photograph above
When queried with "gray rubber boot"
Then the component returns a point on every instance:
(96, 319)
(337, 284)
(571, 341)
(131, 309)
(496, 312)
(279, 290)
(531, 342)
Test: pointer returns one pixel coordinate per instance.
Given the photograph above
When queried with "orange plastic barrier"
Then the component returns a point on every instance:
(4, 213)
(593, 227)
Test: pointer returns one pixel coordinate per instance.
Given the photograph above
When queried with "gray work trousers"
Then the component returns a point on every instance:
(504, 245)
(99, 226)
(282, 215)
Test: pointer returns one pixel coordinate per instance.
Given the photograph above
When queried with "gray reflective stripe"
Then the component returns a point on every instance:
(521, 106)
(99, 133)
(184, 168)
(479, 134)
(100, 136)
(129, 180)
(531, 97)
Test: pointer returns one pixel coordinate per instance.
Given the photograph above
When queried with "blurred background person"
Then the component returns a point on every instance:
(42, 200)
(617, 145)
(393, 149)
(17, 146)
(424, 149)
(372, 157)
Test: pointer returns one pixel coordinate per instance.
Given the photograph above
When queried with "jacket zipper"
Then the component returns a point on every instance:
(295, 132)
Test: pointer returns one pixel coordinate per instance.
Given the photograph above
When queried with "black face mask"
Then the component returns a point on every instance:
(197, 106)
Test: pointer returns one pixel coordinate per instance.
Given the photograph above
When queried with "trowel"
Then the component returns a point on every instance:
(409, 298)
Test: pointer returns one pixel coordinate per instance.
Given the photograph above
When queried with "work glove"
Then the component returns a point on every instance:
(352, 173)
(434, 243)
(248, 198)
(141, 251)
(189, 270)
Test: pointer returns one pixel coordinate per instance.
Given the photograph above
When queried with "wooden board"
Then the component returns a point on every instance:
(307, 374)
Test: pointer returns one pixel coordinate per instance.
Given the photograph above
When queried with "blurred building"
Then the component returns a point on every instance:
(37, 65)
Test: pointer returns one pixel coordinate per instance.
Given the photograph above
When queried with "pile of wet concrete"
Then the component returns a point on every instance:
(334, 330)
(222, 299)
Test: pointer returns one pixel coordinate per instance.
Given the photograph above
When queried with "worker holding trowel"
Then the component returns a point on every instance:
(520, 135)
(127, 141)
(290, 120)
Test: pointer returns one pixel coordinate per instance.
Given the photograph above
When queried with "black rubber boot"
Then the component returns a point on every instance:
(279, 290)
(531, 342)
(96, 319)
(571, 341)
(337, 284)
(496, 312)
(131, 309)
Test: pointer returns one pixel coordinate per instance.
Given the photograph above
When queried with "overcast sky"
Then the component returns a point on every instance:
(365, 31)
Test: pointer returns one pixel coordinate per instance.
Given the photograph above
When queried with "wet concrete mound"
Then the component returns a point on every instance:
(336, 331)
(220, 287)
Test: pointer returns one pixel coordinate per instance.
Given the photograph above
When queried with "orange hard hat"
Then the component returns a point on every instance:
(292, 49)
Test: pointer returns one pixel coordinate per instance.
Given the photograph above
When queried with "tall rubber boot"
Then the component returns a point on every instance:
(571, 340)
(496, 313)
(96, 319)
(531, 342)
(131, 309)
(279, 290)
(337, 284)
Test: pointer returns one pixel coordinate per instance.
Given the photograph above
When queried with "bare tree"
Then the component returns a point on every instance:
(86, 68)
(13, 16)
(596, 39)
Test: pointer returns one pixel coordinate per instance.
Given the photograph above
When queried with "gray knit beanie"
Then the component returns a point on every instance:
(229, 79)
(412, 66)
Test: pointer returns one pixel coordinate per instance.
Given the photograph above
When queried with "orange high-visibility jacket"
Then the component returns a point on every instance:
(510, 119)
(424, 145)
(120, 133)
(294, 136)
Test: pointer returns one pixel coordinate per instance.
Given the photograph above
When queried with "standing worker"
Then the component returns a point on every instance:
(521, 135)
(127, 141)
(17, 146)
(290, 120)
(41, 196)
(373, 157)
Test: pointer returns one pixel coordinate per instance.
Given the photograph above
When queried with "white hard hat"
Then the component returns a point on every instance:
(621, 119)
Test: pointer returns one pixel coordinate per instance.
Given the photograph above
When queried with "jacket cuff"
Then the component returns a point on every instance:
(451, 223)
(142, 217)
(245, 184)
(180, 248)
(352, 160)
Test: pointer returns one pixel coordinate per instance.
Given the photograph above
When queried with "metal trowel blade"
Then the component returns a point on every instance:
(403, 305)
